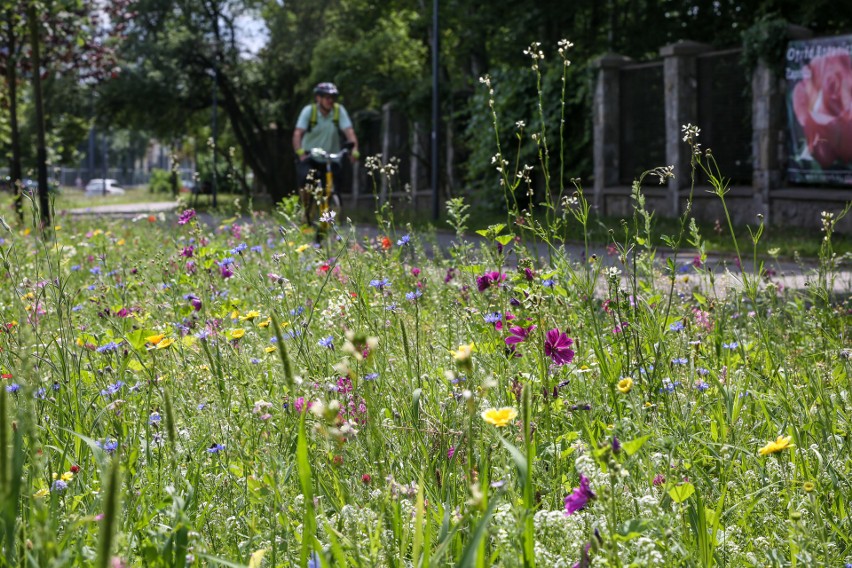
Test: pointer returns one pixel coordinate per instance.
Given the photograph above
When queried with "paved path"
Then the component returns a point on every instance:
(788, 273)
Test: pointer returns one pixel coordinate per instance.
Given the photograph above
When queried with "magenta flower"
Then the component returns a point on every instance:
(557, 346)
(489, 278)
(186, 216)
(580, 497)
(518, 335)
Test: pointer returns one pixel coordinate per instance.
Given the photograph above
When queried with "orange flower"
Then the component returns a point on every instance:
(386, 243)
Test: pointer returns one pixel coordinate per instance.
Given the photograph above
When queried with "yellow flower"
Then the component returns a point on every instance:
(265, 323)
(462, 354)
(270, 349)
(41, 493)
(154, 339)
(237, 333)
(781, 443)
(625, 384)
(165, 343)
(235, 314)
(120, 242)
(303, 248)
(253, 314)
(67, 476)
(808, 486)
(499, 417)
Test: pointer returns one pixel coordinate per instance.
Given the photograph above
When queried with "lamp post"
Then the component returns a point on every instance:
(214, 126)
(436, 114)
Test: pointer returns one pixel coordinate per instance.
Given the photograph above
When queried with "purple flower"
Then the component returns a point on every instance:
(557, 346)
(188, 251)
(227, 272)
(413, 295)
(13, 388)
(59, 486)
(327, 342)
(580, 497)
(585, 559)
(215, 448)
(451, 452)
(186, 216)
(484, 281)
(518, 334)
(404, 240)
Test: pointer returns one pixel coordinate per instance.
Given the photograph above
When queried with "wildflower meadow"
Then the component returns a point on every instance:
(179, 390)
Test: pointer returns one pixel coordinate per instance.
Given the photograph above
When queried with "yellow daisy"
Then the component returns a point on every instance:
(237, 333)
(154, 339)
(165, 343)
(462, 354)
(625, 384)
(250, 316)
(781, 443)
(500, 417)
(265, 323)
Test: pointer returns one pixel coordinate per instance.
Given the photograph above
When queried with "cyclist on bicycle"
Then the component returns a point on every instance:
(319, 126)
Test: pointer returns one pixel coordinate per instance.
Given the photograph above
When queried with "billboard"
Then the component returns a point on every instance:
(819, 108)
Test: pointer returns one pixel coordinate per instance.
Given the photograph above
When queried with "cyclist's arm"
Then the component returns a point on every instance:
(297, 143)
(349, 133)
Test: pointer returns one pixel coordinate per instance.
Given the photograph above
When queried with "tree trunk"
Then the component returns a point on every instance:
(15, 169)
(41, 148)
(263, 148)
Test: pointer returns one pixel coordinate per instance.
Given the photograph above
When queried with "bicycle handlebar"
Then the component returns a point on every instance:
(320, 155)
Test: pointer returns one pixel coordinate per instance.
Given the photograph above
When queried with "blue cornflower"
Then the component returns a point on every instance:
(40, 393)
(239, 248)
(731, 345)
(13, 388)
(701, 386)
(391, 307)
(56, 386)
(680, 361)
(298, 311)
(403, 240)
(669, 386)
(215, 449)
(112, 389)
(111, 346)
(380, 284)
(154, 418)
(95, 270)
(75, 268)
(254, 361)
(257, 248)
(493, 317)
(59, 486)
(314, 560)
(225, 262)
(201, 406)
(326, 342)
(111, 273)
(702, 371)
(548, 283)
(371, 377)
(676, 326)
(91, 287)
(108, 445)
(413, 295)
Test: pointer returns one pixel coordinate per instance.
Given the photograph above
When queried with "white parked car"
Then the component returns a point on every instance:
(99, 186)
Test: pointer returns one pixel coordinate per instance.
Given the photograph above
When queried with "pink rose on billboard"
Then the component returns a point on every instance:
(822, 102)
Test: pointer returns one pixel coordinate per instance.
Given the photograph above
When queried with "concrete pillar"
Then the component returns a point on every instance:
(769, 128)
(680, 79)
(606, 119)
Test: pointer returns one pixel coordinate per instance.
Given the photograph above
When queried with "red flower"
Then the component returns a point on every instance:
(386, 243)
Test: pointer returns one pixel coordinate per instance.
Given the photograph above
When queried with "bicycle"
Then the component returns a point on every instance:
(323, 205)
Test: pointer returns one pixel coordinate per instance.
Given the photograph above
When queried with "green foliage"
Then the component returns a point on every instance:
(765, 41)
(160, 182)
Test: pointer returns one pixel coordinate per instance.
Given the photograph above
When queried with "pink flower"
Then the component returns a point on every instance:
(822, 103)
(557, 346)
(580, 497)
(518, 334)
(186, 216)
